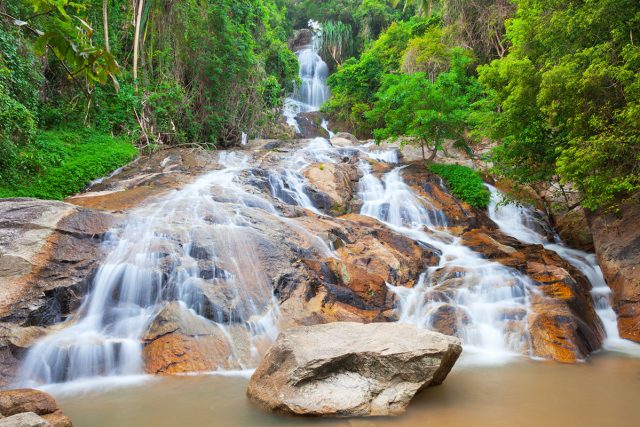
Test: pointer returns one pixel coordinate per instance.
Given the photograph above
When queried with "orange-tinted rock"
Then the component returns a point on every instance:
(562, 322)
(369, 255)
(448, 320)
(58, 419)
(178, 341)
(617, 243)
(431, 187)
(26, 400)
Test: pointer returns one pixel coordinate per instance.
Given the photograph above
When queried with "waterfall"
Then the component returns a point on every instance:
(488, 302)
(170, 250)
(528, 226)
(312, 91)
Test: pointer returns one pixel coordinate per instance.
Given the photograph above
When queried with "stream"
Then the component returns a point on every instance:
(602, 392)
(208, 233)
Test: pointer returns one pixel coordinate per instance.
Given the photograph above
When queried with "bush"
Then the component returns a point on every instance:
(62, 163)
(465, 183)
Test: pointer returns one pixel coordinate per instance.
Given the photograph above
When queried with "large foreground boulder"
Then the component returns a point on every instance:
(351, 369)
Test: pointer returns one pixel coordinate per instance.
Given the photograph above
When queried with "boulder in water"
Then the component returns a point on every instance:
(179, 341)
(337, 181)
(28, 407)
(351, 369)
(310, 125)
(345, 135)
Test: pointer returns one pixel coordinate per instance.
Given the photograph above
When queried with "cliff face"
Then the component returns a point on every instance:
(617, 243)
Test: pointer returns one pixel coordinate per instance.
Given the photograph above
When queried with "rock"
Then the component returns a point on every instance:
(351, 138)
(617, 243)
(339, 142)
(26, 400)
(14, 342)
(353, 285)
(310, 125)
(301, 38)
(17, 404)
(27, 419)
(562, 322)
(447, 320)
(574, 230)
(337, 180)
(178, 341)
(351, 369)
(48, 251)
(460, 216)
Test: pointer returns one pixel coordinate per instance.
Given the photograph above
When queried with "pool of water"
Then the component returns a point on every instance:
(602, 392)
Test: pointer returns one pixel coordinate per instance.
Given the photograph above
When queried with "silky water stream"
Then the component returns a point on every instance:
(164, 250)
(485, 392)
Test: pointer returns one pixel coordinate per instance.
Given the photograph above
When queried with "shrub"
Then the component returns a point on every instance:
(465, 183)
(62, 163)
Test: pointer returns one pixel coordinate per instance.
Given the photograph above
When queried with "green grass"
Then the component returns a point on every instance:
(60, 163)
(465, 183)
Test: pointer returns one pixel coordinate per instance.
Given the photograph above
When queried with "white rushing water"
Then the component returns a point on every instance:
(488, 302)
(169, 250)
(312, 91)
(528, 226)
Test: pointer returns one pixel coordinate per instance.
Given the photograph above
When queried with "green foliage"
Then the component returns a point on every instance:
(566, 101)
(430, 112)
(465, 183)
(61, 163)
(336, 39)
(354, 85)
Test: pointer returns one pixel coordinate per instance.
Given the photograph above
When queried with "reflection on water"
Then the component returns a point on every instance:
(602, 392)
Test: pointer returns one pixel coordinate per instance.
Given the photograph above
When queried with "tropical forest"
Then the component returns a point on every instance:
(329, 213)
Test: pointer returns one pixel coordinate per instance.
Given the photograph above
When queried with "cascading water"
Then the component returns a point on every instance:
(527, 225)
(489, 301)
(312, 91)
(173, 249)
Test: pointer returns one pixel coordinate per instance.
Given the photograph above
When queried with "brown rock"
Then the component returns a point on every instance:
(178, 341)
(563, 323)
(26, 400)
(574, 230)
(58, 419)
(617, 243)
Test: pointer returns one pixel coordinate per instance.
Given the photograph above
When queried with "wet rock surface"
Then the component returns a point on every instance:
(366, 370)
(617, 243)
(319, 266)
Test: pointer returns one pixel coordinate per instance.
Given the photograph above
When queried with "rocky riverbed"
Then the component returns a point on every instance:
(300, 247)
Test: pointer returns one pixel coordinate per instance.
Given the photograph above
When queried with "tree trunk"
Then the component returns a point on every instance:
(136, 42)
(105, 24)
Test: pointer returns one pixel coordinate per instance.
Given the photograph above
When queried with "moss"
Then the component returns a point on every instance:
(60, 163)
(465, 183)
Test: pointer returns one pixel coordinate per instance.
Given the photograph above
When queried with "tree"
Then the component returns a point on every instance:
(565, 101)
(336, 39)
(423, 7)
(428, 112)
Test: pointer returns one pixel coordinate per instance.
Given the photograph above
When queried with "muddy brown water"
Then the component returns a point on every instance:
(602, 392)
